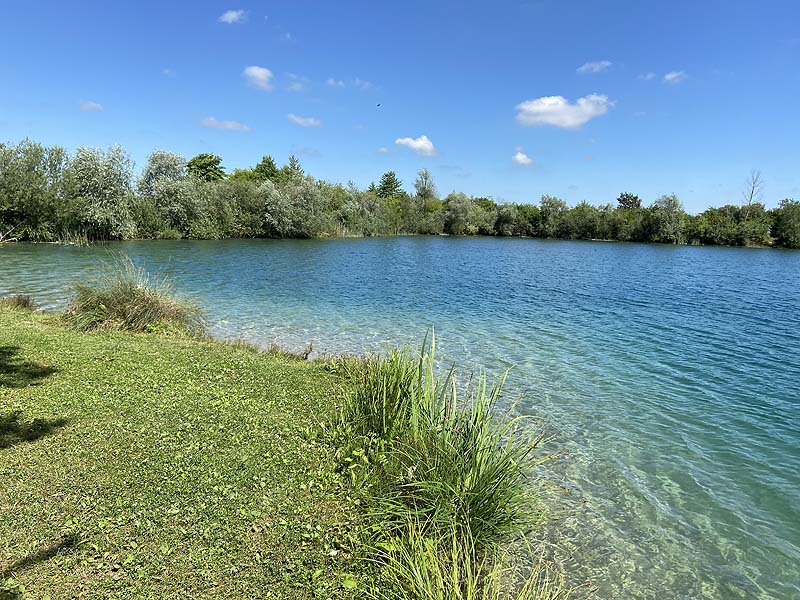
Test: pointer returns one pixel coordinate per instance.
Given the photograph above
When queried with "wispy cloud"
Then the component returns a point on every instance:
(421, 145)
(559, 112)
(90, 105)
(297, 83)
(306, 151)
(675, 77)
(213, 123)
(594, 67)
(358, 83)
(230, 17)
(168, 72)
(456, 170)
(304, 121)
(521, 158)
(258, 77)
(647, 76)
(383, 150)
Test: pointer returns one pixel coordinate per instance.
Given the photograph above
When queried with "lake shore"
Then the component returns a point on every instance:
(145, 464)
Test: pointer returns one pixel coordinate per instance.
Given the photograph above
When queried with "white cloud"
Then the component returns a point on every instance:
(421, 145)
(647, 76)
(521, 158)
(258, 77)
(334, 82)
(557, 111)
(304, 121)
(362, 84)
(213, 123)
(297, 83)
(232, 16)
(168, 72)
(594, 67)
(674, 77)
(89, 105)
(383, 150)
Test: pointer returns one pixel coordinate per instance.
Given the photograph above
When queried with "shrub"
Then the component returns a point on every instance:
(126, 297)
(170, 234)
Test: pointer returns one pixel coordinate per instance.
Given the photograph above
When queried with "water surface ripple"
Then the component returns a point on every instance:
(669, 374)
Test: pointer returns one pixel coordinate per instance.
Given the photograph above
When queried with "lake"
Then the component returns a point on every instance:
(669, 376)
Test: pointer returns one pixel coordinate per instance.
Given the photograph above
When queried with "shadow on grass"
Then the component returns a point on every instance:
(65, 544)
(16, 372)
(14, 430)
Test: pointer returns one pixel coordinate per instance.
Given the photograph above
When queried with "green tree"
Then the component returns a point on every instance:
(581, 222)
(266, 169)
(31, 198)
(456, 215)
(243, 175)
(161, 165)
(482, 215)
(389, 185)
(551, 210)
(665, 224)
(507, 220)
(628, 200)
(291, 172)
(424, 186)
(155, 193)
(786, 228)
(206, 167)
(628, 224)
(528, 220)
(98, 188)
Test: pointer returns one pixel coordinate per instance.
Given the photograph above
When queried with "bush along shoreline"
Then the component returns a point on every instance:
(440, 487)
(48, 195)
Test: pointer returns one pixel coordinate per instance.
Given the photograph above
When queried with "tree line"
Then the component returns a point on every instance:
(47, 194)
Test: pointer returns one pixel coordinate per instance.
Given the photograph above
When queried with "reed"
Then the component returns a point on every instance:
(127, 297)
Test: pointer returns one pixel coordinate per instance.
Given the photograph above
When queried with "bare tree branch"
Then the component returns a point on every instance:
(753, 190)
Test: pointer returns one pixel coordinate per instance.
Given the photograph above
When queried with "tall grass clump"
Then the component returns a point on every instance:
(447, 477)
(18, 302)
(447, 566)
(126, 297)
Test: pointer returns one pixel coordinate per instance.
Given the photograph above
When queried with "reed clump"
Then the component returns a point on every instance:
(447, 480)
(18, 302)
(126, 297)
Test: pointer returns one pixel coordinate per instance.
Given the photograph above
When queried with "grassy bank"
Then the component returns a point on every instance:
(138, 458)
(165, 467)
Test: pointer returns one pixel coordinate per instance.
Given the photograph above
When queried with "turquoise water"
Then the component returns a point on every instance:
(668, 375)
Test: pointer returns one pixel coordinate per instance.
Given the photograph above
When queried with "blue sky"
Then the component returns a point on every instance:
(514, 99)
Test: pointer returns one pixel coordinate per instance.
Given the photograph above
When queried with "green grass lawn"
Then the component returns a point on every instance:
(140, 466)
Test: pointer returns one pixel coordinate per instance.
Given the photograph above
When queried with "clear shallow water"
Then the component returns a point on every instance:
(669, 375)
